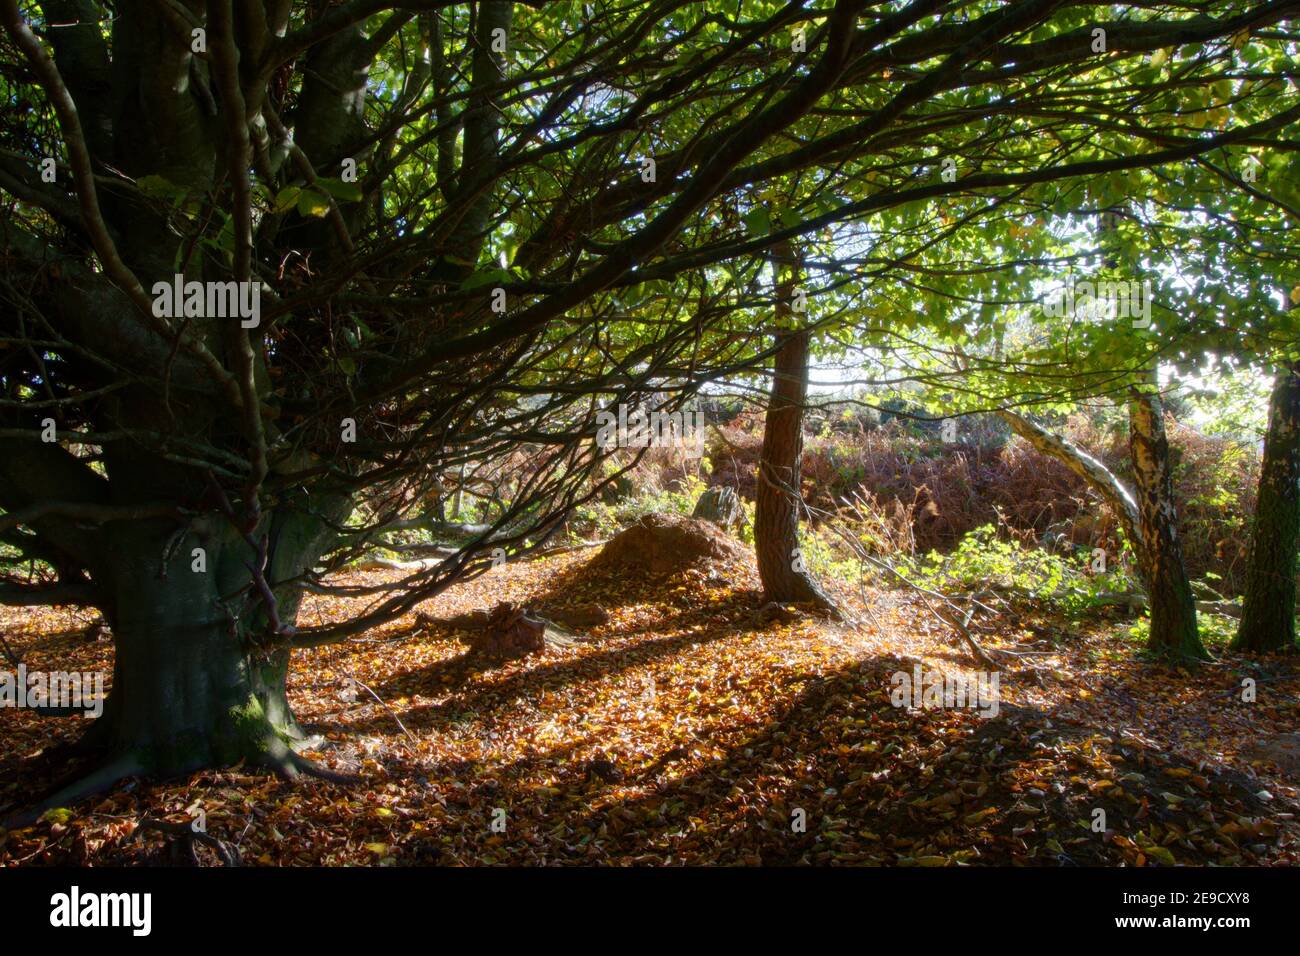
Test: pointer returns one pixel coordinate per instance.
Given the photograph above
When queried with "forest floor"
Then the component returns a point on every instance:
(685, 729)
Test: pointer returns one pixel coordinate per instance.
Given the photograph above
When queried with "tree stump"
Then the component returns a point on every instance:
(511, 631)
(721, 505)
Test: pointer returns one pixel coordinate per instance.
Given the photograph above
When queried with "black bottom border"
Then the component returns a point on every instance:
(337, 905)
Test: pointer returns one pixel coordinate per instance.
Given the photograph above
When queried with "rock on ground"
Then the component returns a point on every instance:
(721, 505)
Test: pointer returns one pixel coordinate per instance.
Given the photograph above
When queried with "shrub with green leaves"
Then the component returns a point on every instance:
(985, 560)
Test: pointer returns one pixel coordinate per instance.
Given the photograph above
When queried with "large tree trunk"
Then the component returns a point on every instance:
(777, 504)
(198, 678)
(1268, 609)
(189, 688)
(1173, 609)
(193, 685)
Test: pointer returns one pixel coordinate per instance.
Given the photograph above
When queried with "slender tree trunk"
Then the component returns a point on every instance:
(776, 515)
(1268, 609)
(1173, 609)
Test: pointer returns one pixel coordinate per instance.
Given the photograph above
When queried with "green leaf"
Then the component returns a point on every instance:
(486, 277)
(287, 198)
(347, 192)
(758, 222)
(312, 203)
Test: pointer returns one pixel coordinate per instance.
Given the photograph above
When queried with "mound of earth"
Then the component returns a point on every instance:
(667, 544)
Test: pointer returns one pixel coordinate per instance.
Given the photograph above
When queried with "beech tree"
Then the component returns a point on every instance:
(420, 244)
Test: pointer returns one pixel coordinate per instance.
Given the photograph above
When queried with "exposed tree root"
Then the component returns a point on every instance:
(184, 841)
(96, 737)
(275, 754)
(96, 782)
(291, 766)
(280, 758)
(313, 769)
(304, 742)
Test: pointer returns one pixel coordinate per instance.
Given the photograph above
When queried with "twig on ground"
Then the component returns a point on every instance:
(381, 703)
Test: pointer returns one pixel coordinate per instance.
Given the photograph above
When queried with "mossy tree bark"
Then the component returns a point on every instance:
(199, 672)
(1268, 608)
(198, 679)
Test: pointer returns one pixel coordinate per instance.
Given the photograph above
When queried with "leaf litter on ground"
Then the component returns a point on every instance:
(677, 725)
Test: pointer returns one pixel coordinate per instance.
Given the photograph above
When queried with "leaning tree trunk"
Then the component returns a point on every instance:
(1268, 609)
(1098, 477)
(778, 498)
(1173, 609)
